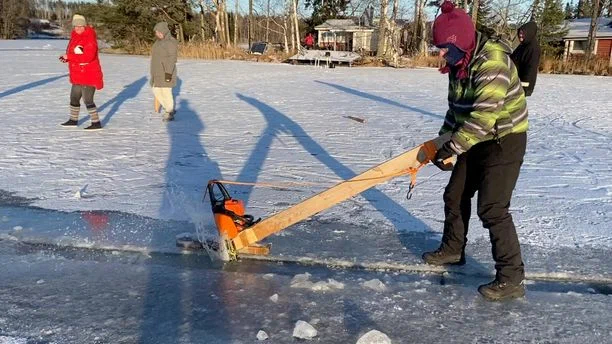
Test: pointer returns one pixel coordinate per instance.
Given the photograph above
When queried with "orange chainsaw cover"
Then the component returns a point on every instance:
(225, 223)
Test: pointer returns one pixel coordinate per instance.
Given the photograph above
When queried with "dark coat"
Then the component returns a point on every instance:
(163, 58)
(526, 57)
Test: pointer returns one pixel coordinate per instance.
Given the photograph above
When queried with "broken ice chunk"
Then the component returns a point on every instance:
(304, 330)
(374, 337)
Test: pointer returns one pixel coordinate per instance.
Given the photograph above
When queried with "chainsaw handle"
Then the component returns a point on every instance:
(211, 192)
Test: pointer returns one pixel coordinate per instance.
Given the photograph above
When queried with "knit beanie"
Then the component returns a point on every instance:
(78, 20)
(455, 27)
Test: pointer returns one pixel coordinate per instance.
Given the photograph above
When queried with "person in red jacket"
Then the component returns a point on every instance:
(309, 41)
(85, 71)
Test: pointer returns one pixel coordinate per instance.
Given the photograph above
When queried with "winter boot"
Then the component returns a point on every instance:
(169, 116)
(439, 257)
(94, 126)
(70, 123)
(497, 291)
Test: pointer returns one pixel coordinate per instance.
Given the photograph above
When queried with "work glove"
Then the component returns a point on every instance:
(445, 152)
(168, 77)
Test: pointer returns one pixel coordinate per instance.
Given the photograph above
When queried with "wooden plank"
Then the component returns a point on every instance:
(336, 194)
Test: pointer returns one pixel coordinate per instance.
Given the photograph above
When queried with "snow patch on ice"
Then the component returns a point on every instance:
(304, 330)
(302, 281)
(12, 340)
(374, 337)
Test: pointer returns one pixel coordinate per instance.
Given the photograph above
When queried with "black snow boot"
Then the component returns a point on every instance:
(169, 116)
(439, 257)
(497, 291)
(94, 126)
(70, 123)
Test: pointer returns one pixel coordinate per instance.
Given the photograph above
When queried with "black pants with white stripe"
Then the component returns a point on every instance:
(492, 169)
(87, 94)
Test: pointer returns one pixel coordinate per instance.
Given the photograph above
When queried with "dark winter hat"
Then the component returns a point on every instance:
(455, 27)
(162, 27)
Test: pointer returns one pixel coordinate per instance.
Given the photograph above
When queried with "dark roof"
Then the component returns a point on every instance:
(579, 28)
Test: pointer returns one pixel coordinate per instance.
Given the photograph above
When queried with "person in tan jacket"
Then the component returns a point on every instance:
(163, 68)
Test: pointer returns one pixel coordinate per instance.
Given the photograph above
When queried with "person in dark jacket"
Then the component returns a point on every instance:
(487, 119)
(526, 56)
(163, 68)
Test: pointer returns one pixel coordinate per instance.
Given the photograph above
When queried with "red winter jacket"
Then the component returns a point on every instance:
(84, 68)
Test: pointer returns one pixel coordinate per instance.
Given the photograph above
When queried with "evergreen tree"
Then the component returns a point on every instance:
(569, 11)
(13, 18)
(578, 9)
(325, 9)
(550, 17)
(484, 23)
(583, 9)
(125, 23)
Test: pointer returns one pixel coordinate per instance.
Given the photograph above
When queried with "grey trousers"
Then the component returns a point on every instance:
(87, 94)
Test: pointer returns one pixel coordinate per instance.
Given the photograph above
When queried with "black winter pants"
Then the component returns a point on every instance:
(492, 169)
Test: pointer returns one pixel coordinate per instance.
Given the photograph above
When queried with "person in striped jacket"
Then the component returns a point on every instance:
(487, 117)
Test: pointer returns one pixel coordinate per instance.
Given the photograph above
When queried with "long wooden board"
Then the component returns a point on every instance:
(336, 194)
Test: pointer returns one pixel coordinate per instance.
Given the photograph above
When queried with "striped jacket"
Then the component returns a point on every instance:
(490, 103)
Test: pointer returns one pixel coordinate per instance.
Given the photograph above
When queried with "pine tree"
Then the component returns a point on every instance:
(584, 8)
(326, 9)
(484, 23)
(550, 17)
(569, 11)
(578, 10)
(13, 18)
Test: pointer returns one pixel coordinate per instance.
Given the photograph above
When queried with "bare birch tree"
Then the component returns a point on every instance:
(382, 28)
(595, 13)
(296, 24)
(475, 4)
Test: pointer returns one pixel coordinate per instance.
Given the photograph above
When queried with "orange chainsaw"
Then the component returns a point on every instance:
(239, 232)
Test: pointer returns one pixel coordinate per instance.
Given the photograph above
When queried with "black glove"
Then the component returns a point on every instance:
(442, 154)
(62, 59)
(168, 77)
